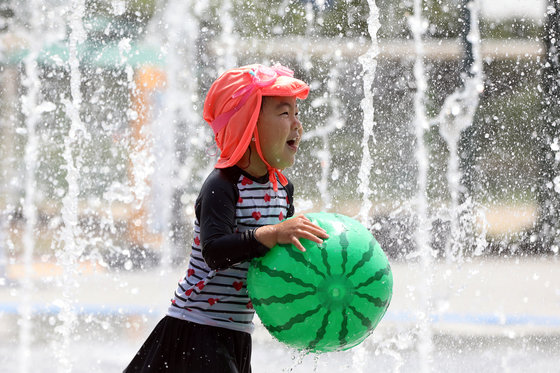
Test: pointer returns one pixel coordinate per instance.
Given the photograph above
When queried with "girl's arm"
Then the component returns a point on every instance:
(222, 247)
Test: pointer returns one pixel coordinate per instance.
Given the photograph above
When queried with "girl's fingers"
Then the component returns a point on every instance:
(298, 245)
(310, 236)
(313, 227)
(301, 227)
(318, 231)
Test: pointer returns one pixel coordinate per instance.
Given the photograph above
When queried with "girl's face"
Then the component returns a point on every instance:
(279, 130)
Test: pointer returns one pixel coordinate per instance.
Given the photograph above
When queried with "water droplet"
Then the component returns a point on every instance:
(128, 265)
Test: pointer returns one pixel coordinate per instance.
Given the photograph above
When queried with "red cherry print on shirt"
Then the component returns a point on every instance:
(256, 215)
(249, 305)
(266, 198)
(246, 181)
(287, 200)
(281, 216)
(188, 292)
(238, 285)
(173, 301)
(197, 241)
(200, 285)
(240, 200)
(190, 272)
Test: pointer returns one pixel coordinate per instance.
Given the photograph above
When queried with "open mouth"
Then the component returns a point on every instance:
(293, 143)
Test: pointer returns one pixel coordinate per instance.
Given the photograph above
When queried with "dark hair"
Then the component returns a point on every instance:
(262, 102)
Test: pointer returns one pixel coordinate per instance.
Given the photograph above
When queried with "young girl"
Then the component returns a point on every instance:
(240, 215)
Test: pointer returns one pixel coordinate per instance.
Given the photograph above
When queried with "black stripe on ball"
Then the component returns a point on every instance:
(294, 320)
(288, 298)
(321, 331)
(299, 258)
(281, 274)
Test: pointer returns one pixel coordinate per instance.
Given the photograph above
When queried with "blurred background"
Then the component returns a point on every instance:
(435, 123)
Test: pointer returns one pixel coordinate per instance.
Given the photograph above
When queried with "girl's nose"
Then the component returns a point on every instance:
(296, 124)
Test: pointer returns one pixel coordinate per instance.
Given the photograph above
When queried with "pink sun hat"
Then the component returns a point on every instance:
(233, 104)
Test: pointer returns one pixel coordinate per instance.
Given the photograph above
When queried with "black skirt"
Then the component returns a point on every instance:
(181, 346)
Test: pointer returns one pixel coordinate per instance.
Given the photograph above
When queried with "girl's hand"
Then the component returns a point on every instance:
(290, 232)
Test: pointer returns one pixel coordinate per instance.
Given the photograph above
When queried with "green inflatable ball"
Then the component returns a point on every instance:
(329, 298)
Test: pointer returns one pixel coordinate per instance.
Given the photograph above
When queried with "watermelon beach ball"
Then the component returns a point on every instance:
(329, 298)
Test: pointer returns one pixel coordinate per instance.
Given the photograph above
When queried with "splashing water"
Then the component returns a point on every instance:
(369, 64)
(30, 108)
(70, 240)
(456, 115)
(421, 235)
(180, 83)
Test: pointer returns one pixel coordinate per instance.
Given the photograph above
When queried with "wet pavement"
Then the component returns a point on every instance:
(508, 306)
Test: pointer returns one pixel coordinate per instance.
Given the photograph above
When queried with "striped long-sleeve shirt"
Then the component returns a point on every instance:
(230, 206)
